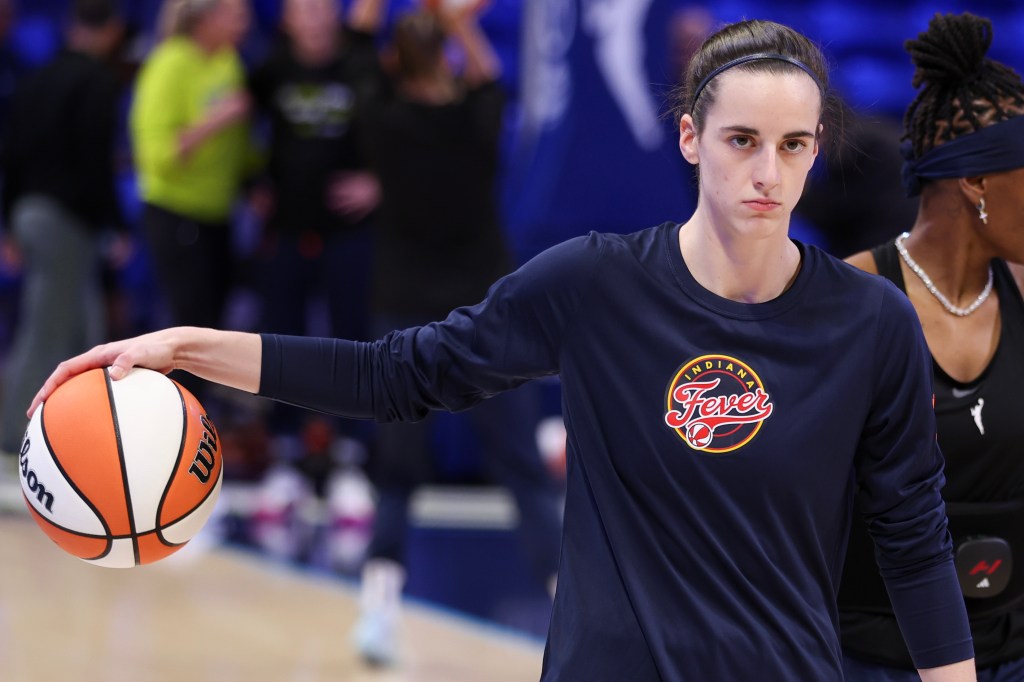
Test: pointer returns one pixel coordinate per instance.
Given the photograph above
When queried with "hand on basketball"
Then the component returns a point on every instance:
(155, 351)
(230, 358)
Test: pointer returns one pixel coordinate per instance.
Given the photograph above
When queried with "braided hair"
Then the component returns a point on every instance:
(961, 90)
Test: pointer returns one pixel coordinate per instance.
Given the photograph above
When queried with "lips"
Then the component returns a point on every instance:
(762, 204)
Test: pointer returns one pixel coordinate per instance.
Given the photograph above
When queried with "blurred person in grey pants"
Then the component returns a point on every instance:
(59, 196)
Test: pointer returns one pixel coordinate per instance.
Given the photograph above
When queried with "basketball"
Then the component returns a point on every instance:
(699, 434)
(120, 473)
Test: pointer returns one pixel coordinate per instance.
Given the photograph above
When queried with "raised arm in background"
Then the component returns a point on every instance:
(367, 15)
(482, 63)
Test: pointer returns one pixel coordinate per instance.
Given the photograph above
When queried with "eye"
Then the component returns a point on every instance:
(741, 141)
(794, 146)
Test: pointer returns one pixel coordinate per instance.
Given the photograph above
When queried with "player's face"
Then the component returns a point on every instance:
(311, 21)
(230, 21)
(758, 144)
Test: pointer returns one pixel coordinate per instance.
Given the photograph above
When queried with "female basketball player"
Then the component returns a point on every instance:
(965, 150)
(725, 390)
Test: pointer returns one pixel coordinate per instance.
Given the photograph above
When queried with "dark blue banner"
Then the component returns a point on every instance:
(595, 148)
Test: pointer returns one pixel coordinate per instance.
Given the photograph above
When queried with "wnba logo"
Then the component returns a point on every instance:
(716, 404)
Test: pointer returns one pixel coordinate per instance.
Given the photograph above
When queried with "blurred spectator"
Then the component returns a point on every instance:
(191, 149)
(316, 243)
(690, 26)
(11, 68)
(856, 200)
(434, 141)
(59, 195)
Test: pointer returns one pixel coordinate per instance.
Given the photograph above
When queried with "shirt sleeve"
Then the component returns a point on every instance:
(157, 115)
(517, 333)
(900, 476)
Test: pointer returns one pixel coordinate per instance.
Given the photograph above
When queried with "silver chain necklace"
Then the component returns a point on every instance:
(930, 286)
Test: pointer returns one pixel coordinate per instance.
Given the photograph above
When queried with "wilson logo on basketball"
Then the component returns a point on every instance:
(32, 481)
(202, 465)
(716, 404)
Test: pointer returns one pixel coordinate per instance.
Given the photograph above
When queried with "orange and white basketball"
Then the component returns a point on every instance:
(120, 473)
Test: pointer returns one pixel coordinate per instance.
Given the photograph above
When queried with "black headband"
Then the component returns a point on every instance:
(752, 58)
(994, 149)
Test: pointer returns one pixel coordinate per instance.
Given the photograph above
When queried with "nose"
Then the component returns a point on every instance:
(766, 169)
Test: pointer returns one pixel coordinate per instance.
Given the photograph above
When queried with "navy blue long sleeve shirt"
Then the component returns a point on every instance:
(714, 448)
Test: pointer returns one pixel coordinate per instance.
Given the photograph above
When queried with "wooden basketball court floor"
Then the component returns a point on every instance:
(219, 615)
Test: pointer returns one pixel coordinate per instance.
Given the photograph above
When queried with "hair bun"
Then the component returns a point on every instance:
(952, 51)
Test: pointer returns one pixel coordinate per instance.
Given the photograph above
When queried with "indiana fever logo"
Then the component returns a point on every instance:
(716, 404)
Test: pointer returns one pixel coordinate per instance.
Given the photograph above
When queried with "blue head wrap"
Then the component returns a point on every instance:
(995, 149)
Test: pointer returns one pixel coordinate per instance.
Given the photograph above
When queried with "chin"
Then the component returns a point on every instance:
(763, 226)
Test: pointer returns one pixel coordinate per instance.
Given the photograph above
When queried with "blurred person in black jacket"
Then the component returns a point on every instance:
(59, 197)
(317, 196)
(11, 66)
(433, 134)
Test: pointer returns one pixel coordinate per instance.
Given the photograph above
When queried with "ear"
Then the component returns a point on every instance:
(973, 188)
(817, 145)
(688, 139)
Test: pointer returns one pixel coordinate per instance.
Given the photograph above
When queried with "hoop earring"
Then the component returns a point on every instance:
(981, 211)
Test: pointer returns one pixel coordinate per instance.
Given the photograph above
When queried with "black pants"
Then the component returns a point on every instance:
(504, 425)
(194, 266)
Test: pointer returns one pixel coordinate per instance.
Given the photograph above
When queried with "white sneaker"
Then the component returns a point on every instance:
(350, 509)
(376, 639)
(376, 635)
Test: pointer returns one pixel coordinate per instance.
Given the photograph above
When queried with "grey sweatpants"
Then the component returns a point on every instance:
(60, 311)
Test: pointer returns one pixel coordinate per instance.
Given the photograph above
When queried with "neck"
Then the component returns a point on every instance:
(946, 243)
(431, 89)
(315, 53)
(952, 256)
(206, 42)
(87, 41)
(739, 268)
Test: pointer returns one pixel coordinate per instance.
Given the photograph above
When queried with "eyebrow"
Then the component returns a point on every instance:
(754, 132)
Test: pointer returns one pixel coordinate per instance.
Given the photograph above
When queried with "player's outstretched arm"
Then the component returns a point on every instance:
(224, 357)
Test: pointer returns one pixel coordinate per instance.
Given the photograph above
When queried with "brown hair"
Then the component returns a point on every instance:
(419, 41)
(179, 17)
(750, 38)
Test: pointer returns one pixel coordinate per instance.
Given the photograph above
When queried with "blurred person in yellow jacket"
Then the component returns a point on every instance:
(190, 140)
